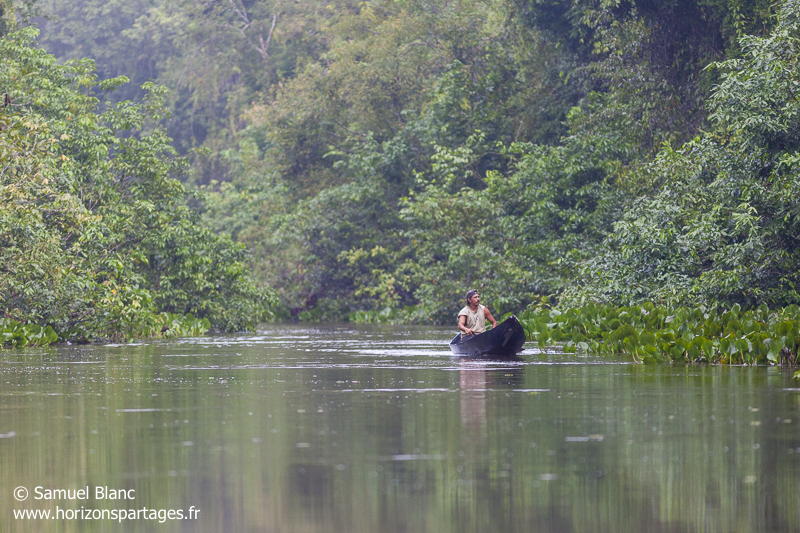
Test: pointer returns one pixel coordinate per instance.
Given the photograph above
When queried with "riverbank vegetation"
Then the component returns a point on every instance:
(379, 158)
(96, 235)
(652, 334)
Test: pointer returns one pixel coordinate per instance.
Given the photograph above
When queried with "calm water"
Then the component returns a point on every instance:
(379, 429)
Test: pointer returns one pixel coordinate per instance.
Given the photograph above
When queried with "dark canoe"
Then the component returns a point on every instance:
(503, 341)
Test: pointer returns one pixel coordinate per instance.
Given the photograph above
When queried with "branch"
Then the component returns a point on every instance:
(242, 14)
(6, 168)
(351, 131)
(263, 46)
(415, 43)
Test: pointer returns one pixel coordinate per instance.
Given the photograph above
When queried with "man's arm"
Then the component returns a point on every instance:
(489, 317)
(462, 321)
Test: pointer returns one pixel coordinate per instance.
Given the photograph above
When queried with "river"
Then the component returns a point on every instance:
(378, 429)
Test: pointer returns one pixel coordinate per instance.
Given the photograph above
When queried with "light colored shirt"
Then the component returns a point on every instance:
(476, 320)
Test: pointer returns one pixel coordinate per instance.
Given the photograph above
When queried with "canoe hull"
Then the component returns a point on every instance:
(503, 341)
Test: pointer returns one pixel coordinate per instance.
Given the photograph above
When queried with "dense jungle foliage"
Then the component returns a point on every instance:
(96, 238)
(379, 158)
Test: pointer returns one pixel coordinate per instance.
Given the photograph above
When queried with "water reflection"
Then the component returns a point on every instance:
(379, 429)
(472, 383)
(476, 378)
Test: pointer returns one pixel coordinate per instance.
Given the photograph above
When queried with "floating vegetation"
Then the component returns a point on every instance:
(175, 325)
(14, 334)
(651, 334)
(17, 334)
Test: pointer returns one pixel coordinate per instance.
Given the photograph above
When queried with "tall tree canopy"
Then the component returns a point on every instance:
(388, 154)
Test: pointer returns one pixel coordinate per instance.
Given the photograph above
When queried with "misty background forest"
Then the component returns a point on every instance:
(244, 160)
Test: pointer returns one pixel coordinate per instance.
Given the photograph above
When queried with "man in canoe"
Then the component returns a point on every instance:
(472, 319)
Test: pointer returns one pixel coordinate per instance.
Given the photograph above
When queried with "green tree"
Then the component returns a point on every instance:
(96, 231)
(719, 226)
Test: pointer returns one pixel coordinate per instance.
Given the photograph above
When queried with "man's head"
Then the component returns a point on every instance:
(473, 298)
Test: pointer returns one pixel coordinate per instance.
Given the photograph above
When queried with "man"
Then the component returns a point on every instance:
(472, 319)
